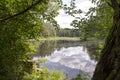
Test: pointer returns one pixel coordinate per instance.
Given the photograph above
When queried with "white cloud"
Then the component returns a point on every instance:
(64, 20)
(84, 5)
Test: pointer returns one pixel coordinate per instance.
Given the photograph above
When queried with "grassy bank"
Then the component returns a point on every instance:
(62, 38)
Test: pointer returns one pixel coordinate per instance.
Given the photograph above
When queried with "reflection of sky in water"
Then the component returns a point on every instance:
(71, 60)
(73, 57)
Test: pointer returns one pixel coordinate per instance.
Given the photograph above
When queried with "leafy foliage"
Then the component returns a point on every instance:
(20, 20)
(97, 22)
(45, 74)
(100, 20)
(48, 30)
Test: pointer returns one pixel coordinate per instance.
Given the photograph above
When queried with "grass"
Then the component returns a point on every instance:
(62, 38)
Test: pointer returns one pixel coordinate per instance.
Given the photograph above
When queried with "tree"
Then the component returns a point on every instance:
(66, 32)
(20, 20)
(96, 23)
(108, 68)
(48, 30)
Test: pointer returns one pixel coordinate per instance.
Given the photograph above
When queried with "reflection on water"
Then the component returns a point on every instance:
(67, 56)
(47, 47)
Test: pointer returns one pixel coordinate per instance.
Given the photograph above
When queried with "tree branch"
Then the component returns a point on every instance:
(109, 4)
(114, 4)
(22, 12)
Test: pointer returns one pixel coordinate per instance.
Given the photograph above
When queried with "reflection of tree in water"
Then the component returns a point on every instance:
(82, 77)
(66, 44)
(47, 47)
(93, 50)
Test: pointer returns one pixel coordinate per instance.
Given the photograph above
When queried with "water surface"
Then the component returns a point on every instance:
(70, 57)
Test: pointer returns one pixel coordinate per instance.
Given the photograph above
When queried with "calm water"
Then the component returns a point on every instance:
(71, 57)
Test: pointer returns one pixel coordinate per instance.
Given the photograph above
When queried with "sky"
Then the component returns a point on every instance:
(64, 20)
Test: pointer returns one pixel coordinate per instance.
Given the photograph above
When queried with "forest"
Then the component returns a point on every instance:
(24, 24)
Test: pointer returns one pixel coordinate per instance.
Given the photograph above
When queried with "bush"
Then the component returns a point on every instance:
(44, 74)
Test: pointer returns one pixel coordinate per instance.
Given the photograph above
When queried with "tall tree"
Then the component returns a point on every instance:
(107, 14)
(108, 68)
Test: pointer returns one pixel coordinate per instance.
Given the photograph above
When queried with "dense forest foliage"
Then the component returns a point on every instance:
(21, 20)
(49, 30)
(66, 32)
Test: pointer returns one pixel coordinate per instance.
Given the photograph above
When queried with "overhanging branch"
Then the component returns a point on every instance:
(25, 10)
(109, 4)
(114, 4)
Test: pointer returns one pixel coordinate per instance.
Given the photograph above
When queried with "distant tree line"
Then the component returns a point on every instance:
(48, 30)
(67, 32)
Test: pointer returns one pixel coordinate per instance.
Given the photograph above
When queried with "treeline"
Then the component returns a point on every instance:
(50, 31)
(66, 32)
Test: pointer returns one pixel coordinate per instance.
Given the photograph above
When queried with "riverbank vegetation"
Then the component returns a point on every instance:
(45, 74)
(21, 20)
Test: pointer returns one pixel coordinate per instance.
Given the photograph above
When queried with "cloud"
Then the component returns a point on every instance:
(64, 20)
(84, 5)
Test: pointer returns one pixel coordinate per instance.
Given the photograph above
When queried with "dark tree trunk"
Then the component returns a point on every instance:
(108, 68)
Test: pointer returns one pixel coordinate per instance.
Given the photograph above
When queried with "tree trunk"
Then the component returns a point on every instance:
(108, 68)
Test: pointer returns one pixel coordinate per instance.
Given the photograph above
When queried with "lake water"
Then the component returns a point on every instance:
(70, 57)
